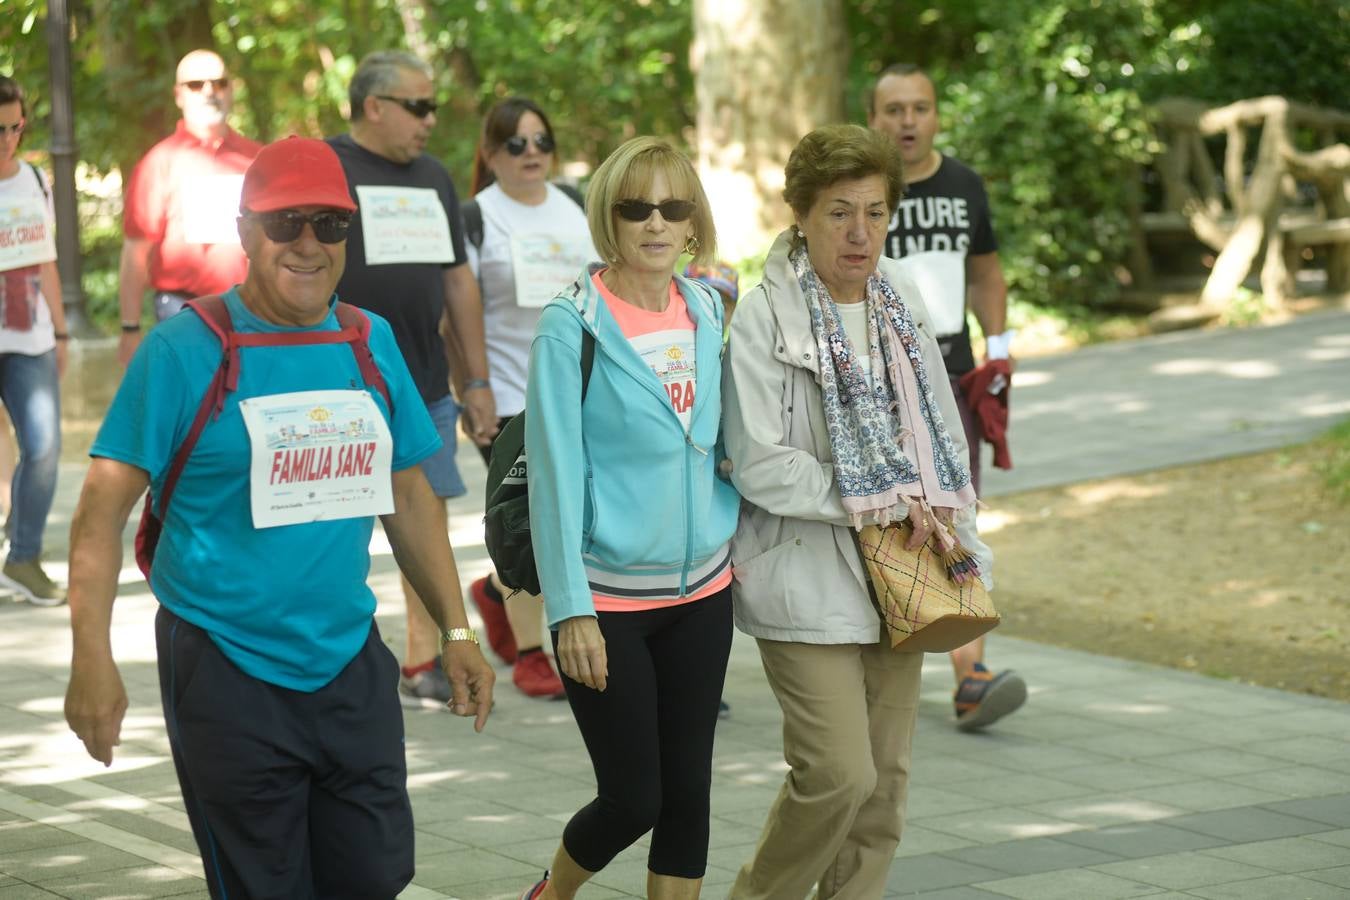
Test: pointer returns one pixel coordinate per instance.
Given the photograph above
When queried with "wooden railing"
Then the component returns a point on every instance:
(1245, 218)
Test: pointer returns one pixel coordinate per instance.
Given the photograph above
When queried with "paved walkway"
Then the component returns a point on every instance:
(1116, 780)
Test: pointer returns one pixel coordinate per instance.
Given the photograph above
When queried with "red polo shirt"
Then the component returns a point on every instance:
(173, 200)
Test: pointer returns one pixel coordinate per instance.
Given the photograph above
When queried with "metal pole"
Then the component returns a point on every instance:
(63, 164)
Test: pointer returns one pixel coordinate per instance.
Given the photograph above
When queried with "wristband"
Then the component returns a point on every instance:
(130, 328)
(62, 335)
(999, 346)
(474, 384)
(458, 634)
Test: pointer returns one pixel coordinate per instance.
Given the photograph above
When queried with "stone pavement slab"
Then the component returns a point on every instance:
(1117, 779)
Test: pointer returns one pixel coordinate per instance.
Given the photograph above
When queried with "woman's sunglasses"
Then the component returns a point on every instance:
(417, 108)
(516, 143)
(641, 210)
(285, 225)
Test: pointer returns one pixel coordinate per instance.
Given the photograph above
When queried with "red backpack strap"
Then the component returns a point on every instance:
(216, 315)
(352, 318)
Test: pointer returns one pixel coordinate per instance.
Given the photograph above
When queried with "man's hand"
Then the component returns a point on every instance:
(581, 652)
(95, 698)
(95, 705)
(62, 357)
(480, 413)
(471, 680)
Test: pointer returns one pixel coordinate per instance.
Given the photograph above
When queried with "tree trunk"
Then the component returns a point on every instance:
(414, 16)
(766, 73)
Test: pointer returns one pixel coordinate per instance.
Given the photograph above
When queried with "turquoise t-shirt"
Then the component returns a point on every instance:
(289, 604)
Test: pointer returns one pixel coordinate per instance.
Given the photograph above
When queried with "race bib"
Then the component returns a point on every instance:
(26, 236)
(544, 265)
(404, 225)
(670, 355)
(210, 205)
(317, 456)
(941, 278)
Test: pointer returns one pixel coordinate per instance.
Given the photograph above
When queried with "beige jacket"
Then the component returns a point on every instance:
(797, 572)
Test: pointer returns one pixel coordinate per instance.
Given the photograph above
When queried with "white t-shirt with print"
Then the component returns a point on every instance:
(22, 187)
(508, 326)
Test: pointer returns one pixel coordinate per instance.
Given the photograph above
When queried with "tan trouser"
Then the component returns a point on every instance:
(848, 721)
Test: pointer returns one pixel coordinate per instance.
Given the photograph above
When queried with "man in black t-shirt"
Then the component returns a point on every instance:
(405, 261)
(943, 235)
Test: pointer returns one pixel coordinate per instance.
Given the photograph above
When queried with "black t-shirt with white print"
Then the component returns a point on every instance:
(941, 220)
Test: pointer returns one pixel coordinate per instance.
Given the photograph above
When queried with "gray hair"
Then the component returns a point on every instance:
(378, 73)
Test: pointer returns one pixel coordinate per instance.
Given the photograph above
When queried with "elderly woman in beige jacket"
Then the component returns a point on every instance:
(836, 403)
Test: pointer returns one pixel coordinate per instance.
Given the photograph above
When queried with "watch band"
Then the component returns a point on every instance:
(458, 634)
(474, 384)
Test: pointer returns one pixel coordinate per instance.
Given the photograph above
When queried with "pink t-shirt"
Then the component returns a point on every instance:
(665, 341)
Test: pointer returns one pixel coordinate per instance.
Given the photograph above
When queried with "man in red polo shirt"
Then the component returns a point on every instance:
(181, 201)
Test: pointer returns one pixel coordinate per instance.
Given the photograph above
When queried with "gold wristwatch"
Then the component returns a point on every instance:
(458, 634)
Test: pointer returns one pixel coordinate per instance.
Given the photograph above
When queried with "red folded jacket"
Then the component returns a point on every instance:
(986, 390)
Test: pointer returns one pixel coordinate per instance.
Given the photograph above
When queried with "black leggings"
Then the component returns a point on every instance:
(650, 735)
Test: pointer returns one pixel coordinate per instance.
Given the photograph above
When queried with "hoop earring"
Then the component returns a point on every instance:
(691, 244)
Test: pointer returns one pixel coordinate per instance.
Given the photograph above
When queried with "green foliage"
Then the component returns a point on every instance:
(1041, 96)
(603, 71)
(1229, 51)
(1048, 113)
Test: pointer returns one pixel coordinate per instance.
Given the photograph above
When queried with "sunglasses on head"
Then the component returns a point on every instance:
(16, 128)
(418, 108)
(284, 225)
(197, 85)
(516, 143)
(641, 210)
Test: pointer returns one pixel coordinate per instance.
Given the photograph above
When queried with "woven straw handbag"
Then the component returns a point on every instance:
(923, 609)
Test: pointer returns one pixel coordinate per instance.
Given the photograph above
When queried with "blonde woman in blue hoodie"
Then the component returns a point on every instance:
(631, 522)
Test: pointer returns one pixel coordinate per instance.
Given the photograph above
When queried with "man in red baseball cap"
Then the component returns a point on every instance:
(280, 697)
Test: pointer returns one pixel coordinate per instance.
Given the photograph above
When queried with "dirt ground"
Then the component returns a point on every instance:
(1238, 569)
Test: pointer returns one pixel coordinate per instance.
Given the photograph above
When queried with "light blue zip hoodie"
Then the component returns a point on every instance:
(638, 498)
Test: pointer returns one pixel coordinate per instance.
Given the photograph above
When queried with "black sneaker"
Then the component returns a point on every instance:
(983, 698)
(427, 690)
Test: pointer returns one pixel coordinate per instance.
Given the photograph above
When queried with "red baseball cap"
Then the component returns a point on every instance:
(294, 172)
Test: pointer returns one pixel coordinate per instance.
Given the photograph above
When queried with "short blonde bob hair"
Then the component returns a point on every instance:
(841, 153)
(628, 174)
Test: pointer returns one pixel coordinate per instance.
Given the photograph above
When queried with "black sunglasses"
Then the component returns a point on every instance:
(16, 128)
(516, 143)
(418, 108)
(641, 210)
(285, 225)
(196, 85)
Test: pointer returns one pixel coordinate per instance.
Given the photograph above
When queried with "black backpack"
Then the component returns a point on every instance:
(506, 519)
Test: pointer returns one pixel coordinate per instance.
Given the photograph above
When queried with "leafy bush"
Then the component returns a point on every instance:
(1296, 48)
(1049, 115)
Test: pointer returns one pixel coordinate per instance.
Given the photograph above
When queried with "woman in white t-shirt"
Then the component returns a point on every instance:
(32, 351)
(527, 238)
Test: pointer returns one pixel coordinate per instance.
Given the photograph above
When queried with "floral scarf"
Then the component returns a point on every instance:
(869, 427)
